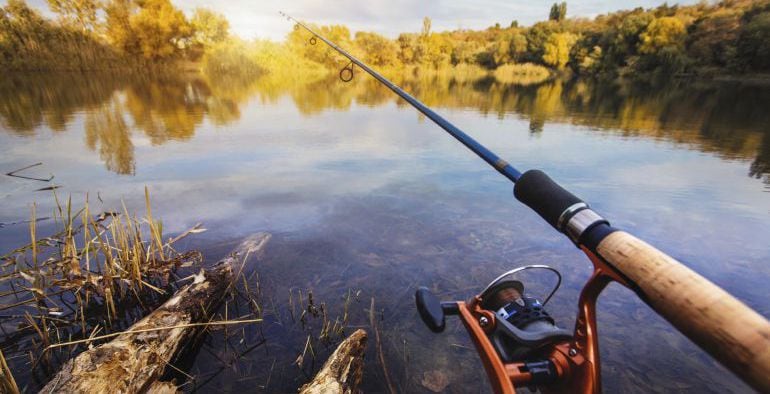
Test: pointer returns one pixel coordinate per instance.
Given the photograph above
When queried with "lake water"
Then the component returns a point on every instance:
(367, 199)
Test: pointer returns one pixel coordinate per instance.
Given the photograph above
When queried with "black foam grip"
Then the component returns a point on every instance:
(539, 192)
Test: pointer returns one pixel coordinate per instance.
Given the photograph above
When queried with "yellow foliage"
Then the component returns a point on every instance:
(81, 13)
(376, 49)
(557, 48)
(160, 28)
(665, 32)
(522, 74)
(209, 27)
(314, 50)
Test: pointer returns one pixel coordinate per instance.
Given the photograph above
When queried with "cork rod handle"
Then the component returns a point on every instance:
(730, 331)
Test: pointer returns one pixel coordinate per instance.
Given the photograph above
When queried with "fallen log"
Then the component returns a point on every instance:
(343, 370)
(135, 360)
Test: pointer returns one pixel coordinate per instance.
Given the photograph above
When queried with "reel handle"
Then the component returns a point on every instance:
(432, 311)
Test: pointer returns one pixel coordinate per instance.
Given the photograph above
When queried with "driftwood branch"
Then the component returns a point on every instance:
(13, 173)
(134, 361)
(343, 370)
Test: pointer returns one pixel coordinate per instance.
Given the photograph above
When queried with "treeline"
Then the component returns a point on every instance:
(729, 37)
(732, 36)
(98, 35)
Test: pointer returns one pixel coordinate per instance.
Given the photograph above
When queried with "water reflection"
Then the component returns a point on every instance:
(727, 119)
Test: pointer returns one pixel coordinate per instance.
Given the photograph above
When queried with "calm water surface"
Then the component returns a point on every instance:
(366, 197)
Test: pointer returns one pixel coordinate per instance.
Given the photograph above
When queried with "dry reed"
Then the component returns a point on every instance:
(94, 273)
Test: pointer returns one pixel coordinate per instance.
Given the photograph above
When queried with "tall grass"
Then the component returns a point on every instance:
(462, 72)
(88, 276)
(30, 42)
(521, 74)
(258, 57)
(7, 382)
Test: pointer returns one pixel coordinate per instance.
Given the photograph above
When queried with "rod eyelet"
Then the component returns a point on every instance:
(346, 74)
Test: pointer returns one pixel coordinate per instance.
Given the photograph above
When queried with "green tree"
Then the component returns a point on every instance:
(557, 49)
(558, 12)
(80, 13)
(753, 48)
(536, 36)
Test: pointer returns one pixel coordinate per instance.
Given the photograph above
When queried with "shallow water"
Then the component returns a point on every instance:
(366, 197)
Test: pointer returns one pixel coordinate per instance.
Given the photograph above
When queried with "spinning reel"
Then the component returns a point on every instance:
(518, 341)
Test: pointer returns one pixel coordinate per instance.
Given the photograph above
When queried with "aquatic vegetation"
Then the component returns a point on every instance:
(257, 57)
(94, 274)
(522, 74)
(7, 382)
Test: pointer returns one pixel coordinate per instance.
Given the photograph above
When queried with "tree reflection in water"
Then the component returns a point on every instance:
(726, 119)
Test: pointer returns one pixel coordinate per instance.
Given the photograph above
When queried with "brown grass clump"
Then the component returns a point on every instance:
(95, 275)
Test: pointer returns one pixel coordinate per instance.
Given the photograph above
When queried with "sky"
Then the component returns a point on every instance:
(260, 19)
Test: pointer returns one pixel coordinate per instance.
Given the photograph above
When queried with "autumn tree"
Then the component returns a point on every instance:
(466, 51)
(316, 51)
(536, 37)
(435, 50)
(666, 33)
(154, 29)
(501, 49)
(621, 38)
(79, 13)
(161, 28)
(407, 45)
(118, 26)
(377, 50)
(557, 49)
(25, 34)
(517, 46)
(209, 27)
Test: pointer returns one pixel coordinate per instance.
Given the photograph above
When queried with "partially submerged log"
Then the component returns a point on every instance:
(134, 361)
(343, 370)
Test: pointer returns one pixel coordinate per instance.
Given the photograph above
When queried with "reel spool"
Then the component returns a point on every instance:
(523, 325)
(516, 323)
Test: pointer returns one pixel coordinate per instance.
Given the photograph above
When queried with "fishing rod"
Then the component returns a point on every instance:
(519, 342)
